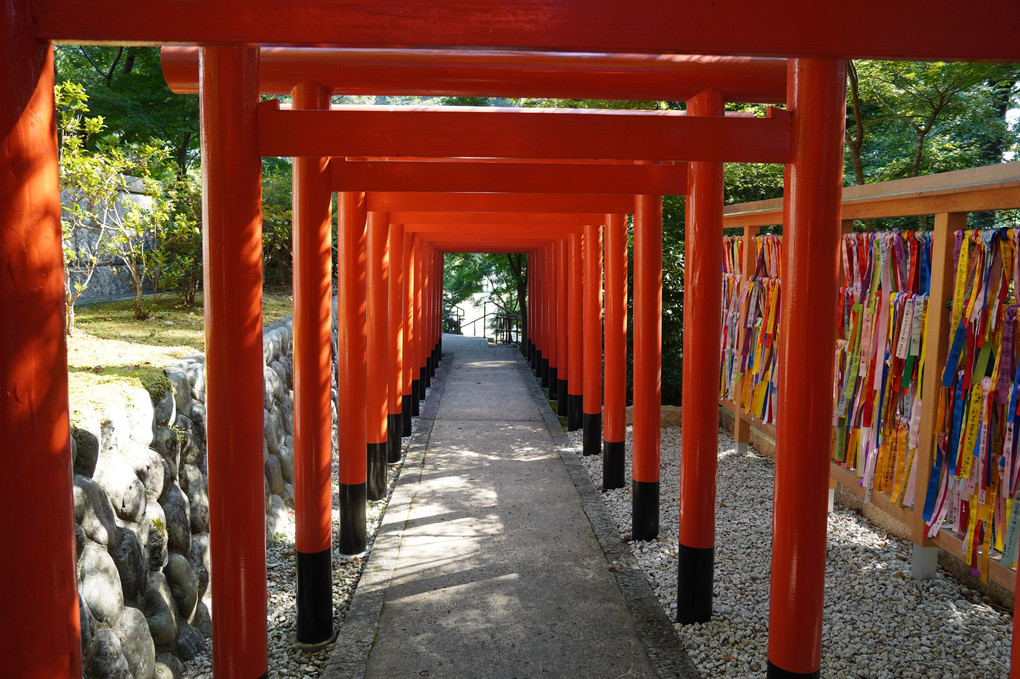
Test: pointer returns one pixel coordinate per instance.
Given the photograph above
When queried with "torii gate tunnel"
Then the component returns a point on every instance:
(416, 183)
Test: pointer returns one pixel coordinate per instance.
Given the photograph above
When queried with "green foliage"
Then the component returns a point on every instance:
(504, 275)
(111, 206)
(125, 86)
(277, 220)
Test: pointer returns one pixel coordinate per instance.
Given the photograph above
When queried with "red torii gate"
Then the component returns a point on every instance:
(32, 373)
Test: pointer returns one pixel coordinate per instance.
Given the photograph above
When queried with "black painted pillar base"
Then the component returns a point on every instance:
(645, 510)
(405, 415)
(695, 575)
(544, 373)
(553, 384)
(592, 433)
(536, 363)
(415, 399)
(530, 356)
(427, 374)
(774, 672)
(376, 471)
(613, 464)
(394, 422)
(353, 536)
(437, 356)
(422, 378)
(575, 404)
(315, 600)
(561, 402)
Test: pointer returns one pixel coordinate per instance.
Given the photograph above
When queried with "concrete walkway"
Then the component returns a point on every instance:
(487, 564)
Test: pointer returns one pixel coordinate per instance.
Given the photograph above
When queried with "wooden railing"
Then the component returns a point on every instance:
(949, 197)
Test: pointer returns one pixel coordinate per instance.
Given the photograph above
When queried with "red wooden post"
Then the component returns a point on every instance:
(418, 338)
(562, 325)
(421, 331)
(394, 424)
(575, 331)
(376, 390)
(615, 432)
(313, 445)
(232, 208)
(806, 364)
(647, 365)
(42, 640)
(592, 343)
(555, 368)
(352, 322)
(410, 391)
(700, 433)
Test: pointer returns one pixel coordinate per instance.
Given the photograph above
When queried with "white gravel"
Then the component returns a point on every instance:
(286, 660)
(878, 622)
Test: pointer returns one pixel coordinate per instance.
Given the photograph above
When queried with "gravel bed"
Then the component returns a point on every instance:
(878, 622)
(286, 660)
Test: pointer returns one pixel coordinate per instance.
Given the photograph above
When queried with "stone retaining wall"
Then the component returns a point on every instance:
(142, 515)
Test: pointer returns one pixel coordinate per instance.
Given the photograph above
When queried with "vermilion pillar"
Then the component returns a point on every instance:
(426, 317)
(817, 99)
(232, 244)
(42, 639)
(552, 311)
(421, 277)
(352, 322)
(700, 435)
(592, 341)
(376, 391)
(394, 424)
(410, 392)
(561, 326)
(312, 373)
(647, 364)
(615, 432)
(575, 330)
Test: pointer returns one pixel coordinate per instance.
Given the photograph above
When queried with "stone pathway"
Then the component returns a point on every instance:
(486, 564)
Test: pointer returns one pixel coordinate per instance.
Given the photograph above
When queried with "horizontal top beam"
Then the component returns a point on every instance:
(498, 202)
(875, 29)
(500, 74)
(518, 231)
(506, 220)
(524, 177)
(444, 132)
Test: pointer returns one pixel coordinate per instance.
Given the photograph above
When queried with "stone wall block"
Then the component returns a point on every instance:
(116, 474)
(98, 521)
(194, 484)
(286, 455)
(167, 443)
(165, 412)
(169, 666)
(156, 545)
(140, 414)
(182, 585)
(198, 425)
(132, 631)
(274, 475)
(271, 435)
(86, 443)
(108, 661)
(132, 567)
(181, 388)
(148, 466)
(199, 560)
(177, 510)
(100, 584)
(190, 642)
(88, 631)
(115, 430)
(160, 614)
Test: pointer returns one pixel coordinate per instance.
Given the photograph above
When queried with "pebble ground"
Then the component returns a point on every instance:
(878, 622)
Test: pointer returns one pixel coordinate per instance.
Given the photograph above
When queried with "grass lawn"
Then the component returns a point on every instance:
(111, 350)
